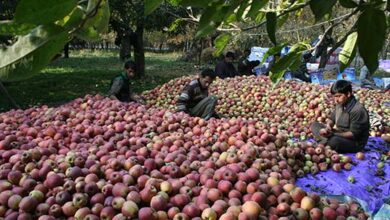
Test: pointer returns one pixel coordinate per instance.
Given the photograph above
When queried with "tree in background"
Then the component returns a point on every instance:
(7, 10)
(230, 18)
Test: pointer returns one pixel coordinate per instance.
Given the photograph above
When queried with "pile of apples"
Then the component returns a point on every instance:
(96, 158)
(290, 105)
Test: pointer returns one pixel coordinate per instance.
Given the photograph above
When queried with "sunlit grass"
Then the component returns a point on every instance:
(90, 72)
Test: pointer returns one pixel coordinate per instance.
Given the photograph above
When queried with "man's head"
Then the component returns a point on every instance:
(277, 56)
(307, 57)
(341, 91)
(229, 57)
(207, 76)
(130, 68)
(247, 52)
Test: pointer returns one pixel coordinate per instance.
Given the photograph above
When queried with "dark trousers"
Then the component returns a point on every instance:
(205, 108)
(302, 77)
(337, 143)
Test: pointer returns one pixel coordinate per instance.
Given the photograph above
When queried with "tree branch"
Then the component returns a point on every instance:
(329, 29)
(279, 15)
(342, 40)
(89, 15)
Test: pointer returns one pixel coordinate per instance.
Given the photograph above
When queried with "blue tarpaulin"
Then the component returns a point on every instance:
(369, 188)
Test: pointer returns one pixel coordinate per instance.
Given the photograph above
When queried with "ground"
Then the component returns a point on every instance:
(90, 72)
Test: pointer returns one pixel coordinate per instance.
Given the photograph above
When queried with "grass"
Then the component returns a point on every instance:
(90, 72)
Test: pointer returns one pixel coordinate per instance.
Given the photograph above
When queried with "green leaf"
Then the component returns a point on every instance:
(243, 7)
(211, 18)
(371, 28)
(207, 16)
(11, 28)
(221, 42)
(87, 34)
(255, 8)
(175, 25)
(283, 63)
(299, 12)
(321, 7)
(73, 20)
(43, 11)
(30, 53)
(102, 17)
(282, 20)
(348, 3)
(388, 19)
(273, 50)
(278, 69)
(96, 25)
(231, 18)
(271, 26)
(295, 65)
(229, 10)
(205, 30)
(92, 4)
(151, 5)
(196, 3)
(300, 46)
(287, 61)
(260, 17)
(349, 51)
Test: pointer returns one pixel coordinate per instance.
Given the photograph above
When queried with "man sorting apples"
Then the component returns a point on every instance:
(195, 99)
(120, 85)
(225, 67)
(347, 130)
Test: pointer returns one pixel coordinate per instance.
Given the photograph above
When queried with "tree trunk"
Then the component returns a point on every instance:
(200, 52)
(160, 46)
(139, 50)
(66, 51)
(125, 47)
(328, 41)
(323, 60)
(8, 96)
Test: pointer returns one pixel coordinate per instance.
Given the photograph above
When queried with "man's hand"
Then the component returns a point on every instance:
(113, 97)
(329, 128)
(142, 101)
(139, 99)
(325, 132)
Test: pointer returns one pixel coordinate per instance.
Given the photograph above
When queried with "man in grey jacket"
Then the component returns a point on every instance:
(194, 98)
(347, 130)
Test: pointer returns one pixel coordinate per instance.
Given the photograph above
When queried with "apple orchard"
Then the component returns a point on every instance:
(96, 158)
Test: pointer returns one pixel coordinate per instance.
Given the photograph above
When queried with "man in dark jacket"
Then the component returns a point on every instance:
(195, 99)
(245, 66)
(225, 68)
(120, 85)
(302, 73)
(348, 128)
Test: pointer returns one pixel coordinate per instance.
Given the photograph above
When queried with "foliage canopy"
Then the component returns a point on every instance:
(367, 35)
(42, 28)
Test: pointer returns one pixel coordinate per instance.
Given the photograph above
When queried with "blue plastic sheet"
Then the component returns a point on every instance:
(374, 190)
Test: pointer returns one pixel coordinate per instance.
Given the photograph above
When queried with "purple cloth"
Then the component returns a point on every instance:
(371, 189)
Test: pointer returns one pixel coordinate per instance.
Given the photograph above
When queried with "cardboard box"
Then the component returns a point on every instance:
(384, 65)
(378, 81)
(287, 75)
(348, 74)
(386, 81)
(317, 76)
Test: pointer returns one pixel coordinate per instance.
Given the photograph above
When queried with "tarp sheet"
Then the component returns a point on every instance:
(370, 189)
